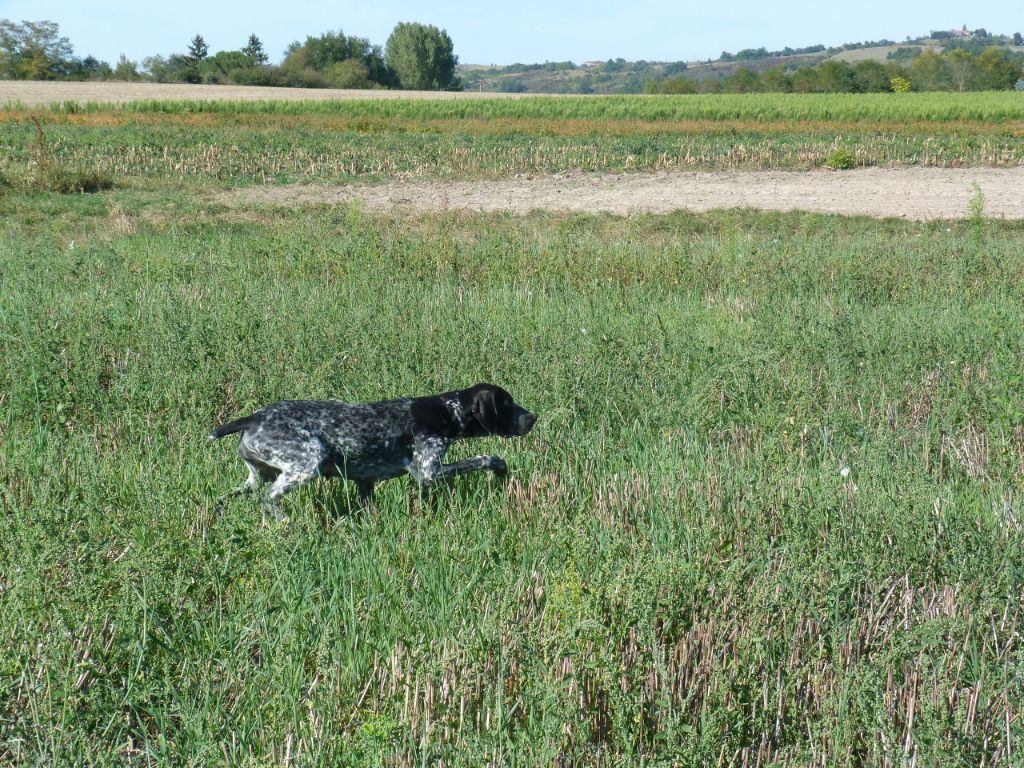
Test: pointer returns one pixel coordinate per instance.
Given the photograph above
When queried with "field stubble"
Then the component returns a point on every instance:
(269, 142)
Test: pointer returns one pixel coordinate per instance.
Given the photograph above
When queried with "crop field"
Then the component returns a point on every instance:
(770, 515)
(990, 107)
(259, 142)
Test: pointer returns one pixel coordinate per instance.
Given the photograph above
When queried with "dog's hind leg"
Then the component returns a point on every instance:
(286, 481)
(298, 474)
(251, 484)
(365, 489)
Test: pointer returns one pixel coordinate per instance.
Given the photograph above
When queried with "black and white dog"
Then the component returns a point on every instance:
(291, 442)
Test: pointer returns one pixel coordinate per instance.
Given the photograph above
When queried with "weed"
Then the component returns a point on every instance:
(46, 173)
(976, 206)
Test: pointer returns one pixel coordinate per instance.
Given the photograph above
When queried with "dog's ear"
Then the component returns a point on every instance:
(432, 416)
(484, 407)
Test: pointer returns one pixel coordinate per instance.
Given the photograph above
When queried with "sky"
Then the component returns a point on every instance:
(527, 31)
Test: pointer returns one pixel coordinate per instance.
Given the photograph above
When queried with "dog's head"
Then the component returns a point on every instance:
(490, 410)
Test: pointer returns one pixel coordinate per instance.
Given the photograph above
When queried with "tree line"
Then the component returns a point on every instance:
(957, 69)
(415, 56)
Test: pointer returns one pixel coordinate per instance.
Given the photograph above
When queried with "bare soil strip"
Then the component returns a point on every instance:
(909, 193)
(32, 94)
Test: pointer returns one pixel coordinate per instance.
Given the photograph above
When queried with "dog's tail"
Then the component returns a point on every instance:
(239, 425)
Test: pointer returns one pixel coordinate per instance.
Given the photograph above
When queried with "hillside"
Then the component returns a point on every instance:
(619, 76)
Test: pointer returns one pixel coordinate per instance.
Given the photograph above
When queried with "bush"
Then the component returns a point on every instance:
(900, 84)
(262, 75)
(351, 73)
(840, 159)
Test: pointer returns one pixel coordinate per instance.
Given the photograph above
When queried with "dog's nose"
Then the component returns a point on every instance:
(526, 422)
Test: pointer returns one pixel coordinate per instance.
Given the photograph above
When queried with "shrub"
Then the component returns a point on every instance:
(900, 84)
(840, 159)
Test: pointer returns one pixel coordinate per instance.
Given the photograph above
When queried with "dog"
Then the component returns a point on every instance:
(291, 442)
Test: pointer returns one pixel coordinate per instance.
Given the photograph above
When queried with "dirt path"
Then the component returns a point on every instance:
(910, 193)
(31, 93)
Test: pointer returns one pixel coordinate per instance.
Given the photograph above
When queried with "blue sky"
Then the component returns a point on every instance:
(526, 31)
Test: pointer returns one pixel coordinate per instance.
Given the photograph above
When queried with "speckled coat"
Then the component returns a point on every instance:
(290, 442)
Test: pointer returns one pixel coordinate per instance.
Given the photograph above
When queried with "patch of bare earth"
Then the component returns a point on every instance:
(909, 193)
(32, 93)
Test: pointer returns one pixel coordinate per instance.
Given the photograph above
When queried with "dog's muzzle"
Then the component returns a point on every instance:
(526, 422)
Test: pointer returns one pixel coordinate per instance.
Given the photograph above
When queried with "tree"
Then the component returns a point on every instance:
(422, 57)
(125, 69)
(752, 54)
(709, 85)
(872, 77)
(681, 84)
(805, 80)
(33, 50)
(1018, 39)
(89, 68)
(217, 68)
(742, 80)
(176, 68)
(197, 49)
(318, 54)
(960, 66)
(254, 52)
(835, 77)
(928, 72)
(994, 70)
(776, 79)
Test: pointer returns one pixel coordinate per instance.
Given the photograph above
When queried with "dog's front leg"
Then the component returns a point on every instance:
(495, 464)
(429, 470)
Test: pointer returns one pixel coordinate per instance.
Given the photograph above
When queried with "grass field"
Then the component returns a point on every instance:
(770, 514)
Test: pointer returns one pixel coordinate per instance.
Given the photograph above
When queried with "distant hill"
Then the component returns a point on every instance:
(620, 76)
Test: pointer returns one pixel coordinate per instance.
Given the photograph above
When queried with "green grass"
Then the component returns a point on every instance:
(680, 570)
(995, 106)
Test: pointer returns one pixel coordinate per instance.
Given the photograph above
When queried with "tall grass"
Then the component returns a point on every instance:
(770, 514)
(995, 106)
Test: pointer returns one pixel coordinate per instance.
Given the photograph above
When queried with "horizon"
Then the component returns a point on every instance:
(531, 33)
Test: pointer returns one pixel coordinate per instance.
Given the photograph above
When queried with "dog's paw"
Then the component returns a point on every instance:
(499, 467)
